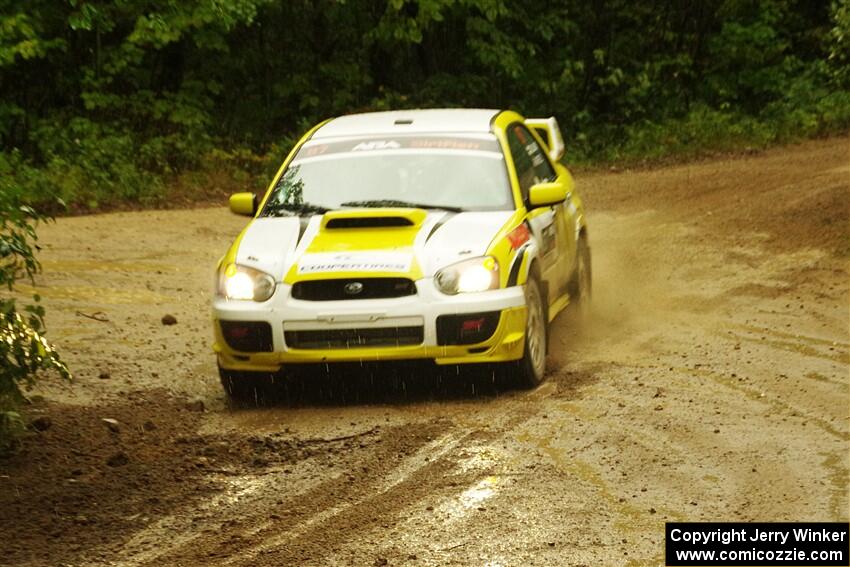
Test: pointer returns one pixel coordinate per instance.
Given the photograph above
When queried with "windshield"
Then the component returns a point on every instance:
(439, 172)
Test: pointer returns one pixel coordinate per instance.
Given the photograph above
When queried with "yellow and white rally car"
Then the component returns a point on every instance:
(447, 235)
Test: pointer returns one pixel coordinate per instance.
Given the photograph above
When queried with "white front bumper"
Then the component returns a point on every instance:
(284, 312)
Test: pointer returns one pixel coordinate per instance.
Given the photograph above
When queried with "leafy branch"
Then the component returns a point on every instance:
(24, 352)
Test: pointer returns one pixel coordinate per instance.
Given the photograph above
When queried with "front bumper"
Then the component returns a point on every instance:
(285, 314)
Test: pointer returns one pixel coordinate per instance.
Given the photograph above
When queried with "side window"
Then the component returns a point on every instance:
(529, 159)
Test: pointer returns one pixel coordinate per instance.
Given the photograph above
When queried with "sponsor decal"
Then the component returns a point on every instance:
(376, 145)
(316, 150)
(354, 262)
(447, 143)
(519, 236)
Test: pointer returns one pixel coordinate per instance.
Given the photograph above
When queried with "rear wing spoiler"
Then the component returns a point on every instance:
(548, 129)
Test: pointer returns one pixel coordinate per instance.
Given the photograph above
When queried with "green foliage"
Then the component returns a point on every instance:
(104, 101)
(807, 107)
(24, 352)
(839, 40)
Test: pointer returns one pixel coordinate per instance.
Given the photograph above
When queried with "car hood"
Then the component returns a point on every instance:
(407, 242)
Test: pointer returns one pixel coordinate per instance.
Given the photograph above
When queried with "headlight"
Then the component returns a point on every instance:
(241, 282)
(475, 274)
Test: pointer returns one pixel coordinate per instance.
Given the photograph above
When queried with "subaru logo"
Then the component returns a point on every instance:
(353, 288)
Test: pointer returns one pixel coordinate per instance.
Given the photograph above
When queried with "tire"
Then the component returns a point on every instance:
(531, 368)
(580, 286)
(244, 388)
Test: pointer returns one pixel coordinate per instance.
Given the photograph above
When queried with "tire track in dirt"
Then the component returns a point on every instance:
(268, 530)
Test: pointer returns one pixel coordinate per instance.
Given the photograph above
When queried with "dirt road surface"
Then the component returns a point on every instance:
(713, 383)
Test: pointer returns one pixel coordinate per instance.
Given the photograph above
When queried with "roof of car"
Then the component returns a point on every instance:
(438, 120)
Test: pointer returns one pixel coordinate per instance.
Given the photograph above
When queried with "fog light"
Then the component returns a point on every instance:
(473, 325)
(248, 336)
(237, 332)
(466, 328)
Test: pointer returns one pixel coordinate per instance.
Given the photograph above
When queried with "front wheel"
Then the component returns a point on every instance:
(532, 365)
(581, 283)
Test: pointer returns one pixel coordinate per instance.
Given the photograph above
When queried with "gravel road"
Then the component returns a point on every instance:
(712, 383)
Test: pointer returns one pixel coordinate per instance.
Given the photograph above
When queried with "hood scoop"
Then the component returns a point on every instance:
(368, 222)
(373, 218)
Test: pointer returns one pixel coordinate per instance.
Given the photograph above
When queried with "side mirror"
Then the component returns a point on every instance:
(243, 204)
(546, 194)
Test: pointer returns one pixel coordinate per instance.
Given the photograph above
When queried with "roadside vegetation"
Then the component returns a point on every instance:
(113, 103)
(24, 352)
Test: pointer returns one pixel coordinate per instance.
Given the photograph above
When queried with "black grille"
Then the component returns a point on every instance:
(248, 336)
(354, 338)
(362, 288)
(467, 328)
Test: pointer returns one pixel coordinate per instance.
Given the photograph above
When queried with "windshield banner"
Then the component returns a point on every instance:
(365, 145)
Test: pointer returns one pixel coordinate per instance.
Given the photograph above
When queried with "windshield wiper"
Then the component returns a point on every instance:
(396, 203)
(281, 209)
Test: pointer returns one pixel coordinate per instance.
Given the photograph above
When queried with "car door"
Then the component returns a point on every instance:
(548, 224)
